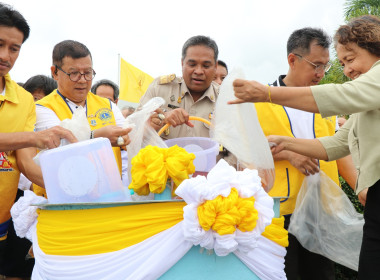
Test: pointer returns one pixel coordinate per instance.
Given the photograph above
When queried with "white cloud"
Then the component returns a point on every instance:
(149, 34)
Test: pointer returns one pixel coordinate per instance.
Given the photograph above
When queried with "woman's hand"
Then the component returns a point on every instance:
(362, 196)
(249, 91)
(277, 143)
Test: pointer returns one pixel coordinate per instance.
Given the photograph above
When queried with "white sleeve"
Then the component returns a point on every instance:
(124, 169)
(24, 183)
(119, 118)
(46, 118)
(337, 123)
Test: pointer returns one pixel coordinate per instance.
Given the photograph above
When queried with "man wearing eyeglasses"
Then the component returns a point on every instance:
(308, 59)
(17, 120)
(72, 69)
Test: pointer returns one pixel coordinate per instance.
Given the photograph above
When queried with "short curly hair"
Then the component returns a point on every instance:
(363, 31)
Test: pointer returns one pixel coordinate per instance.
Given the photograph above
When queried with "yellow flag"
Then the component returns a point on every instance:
(133, 82)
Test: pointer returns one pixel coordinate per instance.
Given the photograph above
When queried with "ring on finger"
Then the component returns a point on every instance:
(161, 117)
(120, 141)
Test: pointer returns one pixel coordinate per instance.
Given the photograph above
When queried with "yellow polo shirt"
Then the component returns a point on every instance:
(17, 114)
(288, 181)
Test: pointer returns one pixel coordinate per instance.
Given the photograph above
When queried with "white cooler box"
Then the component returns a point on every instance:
(82, 172)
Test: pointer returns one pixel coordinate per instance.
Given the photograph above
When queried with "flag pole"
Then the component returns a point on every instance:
(118, 76)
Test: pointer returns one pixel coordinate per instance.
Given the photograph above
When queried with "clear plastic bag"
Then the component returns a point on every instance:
(78, 125)
(237, 128)
(325, 221)
(142, 135)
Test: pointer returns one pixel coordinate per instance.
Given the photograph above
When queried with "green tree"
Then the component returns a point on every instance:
(352, 8)
(355, 8)
(335, 74)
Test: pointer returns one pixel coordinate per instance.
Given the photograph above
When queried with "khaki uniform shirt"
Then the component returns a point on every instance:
(176, 95)
(360, 135)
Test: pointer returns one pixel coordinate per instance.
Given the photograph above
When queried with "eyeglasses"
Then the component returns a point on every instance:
(76, 76)
(318, 68)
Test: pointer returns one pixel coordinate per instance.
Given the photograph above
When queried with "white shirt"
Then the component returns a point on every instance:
(302, 123)
(47, 118)
(24, 183)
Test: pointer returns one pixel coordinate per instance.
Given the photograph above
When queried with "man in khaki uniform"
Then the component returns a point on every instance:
(192, 95)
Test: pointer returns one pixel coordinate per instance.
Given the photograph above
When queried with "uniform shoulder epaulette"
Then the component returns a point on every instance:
(165, 79)
(216, 87)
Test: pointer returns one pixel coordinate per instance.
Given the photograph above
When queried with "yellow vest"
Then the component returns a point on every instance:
(99, 114)
(17, 114)
(288, 181)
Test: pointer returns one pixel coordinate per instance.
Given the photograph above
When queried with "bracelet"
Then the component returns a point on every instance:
(269, 93)
(92, 134)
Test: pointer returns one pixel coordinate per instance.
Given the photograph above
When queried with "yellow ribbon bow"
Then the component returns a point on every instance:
(152, 166)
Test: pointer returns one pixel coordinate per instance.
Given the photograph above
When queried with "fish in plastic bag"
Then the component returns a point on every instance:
(325, 221)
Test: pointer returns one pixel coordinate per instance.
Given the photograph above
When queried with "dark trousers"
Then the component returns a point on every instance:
(302, 264)
(14, 250)
(369, 260)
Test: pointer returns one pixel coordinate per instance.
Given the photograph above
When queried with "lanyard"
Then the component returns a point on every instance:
(65, 99)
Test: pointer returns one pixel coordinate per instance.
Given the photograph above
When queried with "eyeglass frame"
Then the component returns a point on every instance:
(81, 74)
(325, 67)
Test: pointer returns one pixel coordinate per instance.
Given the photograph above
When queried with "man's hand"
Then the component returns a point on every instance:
(112, 132)
(157, 119)
(51, 138)
(307, 166)
(249, 91)
(178, 117)
(175, 117)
